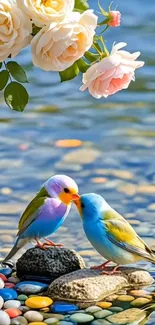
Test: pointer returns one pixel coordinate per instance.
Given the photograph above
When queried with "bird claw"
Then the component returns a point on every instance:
(50, 243)
(112, 272)
(100, 267)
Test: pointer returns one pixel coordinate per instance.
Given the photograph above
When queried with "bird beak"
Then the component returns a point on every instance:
(75, 197)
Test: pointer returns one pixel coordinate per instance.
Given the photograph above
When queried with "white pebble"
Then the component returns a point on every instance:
(12, 304)
(1, 302)
(4, 318)
(1, 284)
(33, 316)
(51, 321)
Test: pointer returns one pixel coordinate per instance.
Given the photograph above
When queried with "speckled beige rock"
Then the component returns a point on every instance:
(86, 286)
(127, 316)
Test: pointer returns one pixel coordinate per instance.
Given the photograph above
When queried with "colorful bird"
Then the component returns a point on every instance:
(110, 234)
(46, 212)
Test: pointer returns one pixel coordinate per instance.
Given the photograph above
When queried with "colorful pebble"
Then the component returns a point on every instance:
(102, 314)
(1, 302)
(6, 271)
(20, 320)
(33, 316)
(125, 298)
(13, 312)
(3, 277)
(140, 302)
(30, 287)
(52, 321)
(1, 284)
(22, 297)
(138, 293)
(8, 294)
(9, 285)
(104, 304)
(51, 315)
(93, 309)
(38, 302)
(4, 318)
(63, 307)
(81, 318)
(12, 304)
(37, 323)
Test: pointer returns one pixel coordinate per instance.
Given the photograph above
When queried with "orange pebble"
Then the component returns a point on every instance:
(13, 312)
(68, 143)
(104, 304)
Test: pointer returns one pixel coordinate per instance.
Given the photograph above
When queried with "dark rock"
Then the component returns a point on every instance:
(50, 263)
(85, 287)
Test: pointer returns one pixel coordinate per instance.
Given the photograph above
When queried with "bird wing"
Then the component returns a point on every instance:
(30, 213)
(120, 232)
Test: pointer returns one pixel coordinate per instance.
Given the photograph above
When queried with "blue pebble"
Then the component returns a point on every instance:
(6, 271)
(63, 307)
(31, 287)
(8, 294)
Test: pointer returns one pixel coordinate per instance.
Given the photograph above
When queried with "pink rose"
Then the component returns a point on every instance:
(112, 73)
(114, 18)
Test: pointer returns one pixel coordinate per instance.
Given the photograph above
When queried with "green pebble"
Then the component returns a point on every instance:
(51, 321)
(22, 297)
(62, 322)
(51, 315)
(93, 309)
(102, 314)
(116, 309)
(140, 302)
(20, 320)
(81, 318)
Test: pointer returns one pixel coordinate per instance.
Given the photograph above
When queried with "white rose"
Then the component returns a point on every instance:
(15, 29)
(46, 11)
(57, 46)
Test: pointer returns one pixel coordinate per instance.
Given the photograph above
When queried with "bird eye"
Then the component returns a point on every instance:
(66, 190)
(82, 205)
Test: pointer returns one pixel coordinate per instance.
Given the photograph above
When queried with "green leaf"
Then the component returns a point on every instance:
(83, 66)
(81, 5)
(4, 76)
(91, 57)
(1, 64)
(16, 96)
(17, 72)
(69, 73)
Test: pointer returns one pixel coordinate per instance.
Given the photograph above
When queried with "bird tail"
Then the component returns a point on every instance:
(17, 246)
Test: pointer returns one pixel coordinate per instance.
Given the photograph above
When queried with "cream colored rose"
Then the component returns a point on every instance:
(57, 46)
(15, 29)
(44, 12)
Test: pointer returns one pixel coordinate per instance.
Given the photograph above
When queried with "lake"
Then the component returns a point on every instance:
(116, 152)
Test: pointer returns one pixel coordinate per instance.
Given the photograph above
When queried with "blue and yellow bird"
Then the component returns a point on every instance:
(110, 234)
(46, 212)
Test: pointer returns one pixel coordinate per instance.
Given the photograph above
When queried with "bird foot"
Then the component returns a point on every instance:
(50, 243)
(100, 267)
(39, 245)
(112, 272)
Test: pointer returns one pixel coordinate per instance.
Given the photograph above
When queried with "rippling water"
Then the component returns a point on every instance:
(116, 157)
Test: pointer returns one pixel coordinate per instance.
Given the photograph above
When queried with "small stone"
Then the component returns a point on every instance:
(8, 294)
(138, 293)
(93, 309)
(22, 297)
(13, 279)
(24, 308)
(51, 315)
(62, 322)
(37, 323)
(116, 309)
(3, 277)
(140, 302)
(81, 318)
(33, 316)
(45, 309)
(63, 307)
(4, 318)
(30, 287)
(6, 271)
(52, 321)
(38, 302)
(9, 285)
(103, 313)
(125, 298)
(104, 304)
(13, 312)
(12, 304)
(1, 302)
(1, 283)
(20, 320)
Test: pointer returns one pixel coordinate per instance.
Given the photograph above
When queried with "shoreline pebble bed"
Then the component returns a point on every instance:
(26, 303)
